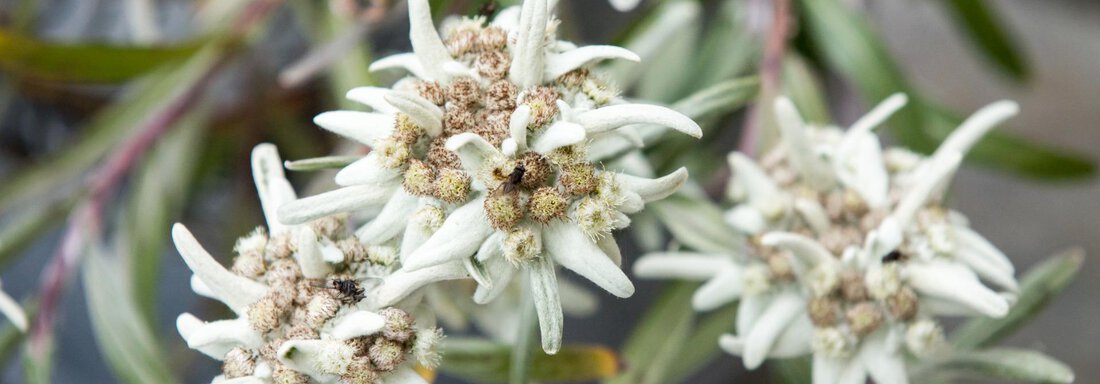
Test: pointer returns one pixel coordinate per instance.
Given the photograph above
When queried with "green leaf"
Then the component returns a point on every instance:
(1010, 364)
(848, 45)
(697, 223)
(798, 370)
(802, 86)
(657, 339)
(155, 201)
(104, 132)
(37, 361)
(726, 49)
(651, 40)
(98, 63)
(124, 338)
(982, 26)
(480, 360)
(703, 343)
(321, 163)
(11, 337)
(26, 226)
(1038, 288)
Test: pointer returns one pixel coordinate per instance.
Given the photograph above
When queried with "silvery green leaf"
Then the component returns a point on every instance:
(803, 87)
(1039, 286)
(651, 40)
(105, 131)
(22, 228)
(655, 342)
(321, 163)
(702, 340)
(666, 74)
(1009, 364)
(726, 49)
(697, 223)
(124, 338)
(484, 361)
(159, 191)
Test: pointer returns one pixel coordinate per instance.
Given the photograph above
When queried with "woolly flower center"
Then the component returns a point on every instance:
(847, 303)
(299, 308)
(527, 185)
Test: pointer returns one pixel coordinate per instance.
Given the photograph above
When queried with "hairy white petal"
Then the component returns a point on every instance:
(13, 311)
(426, 43)
(559, 134)
(373, 97)
(544, 289)
(747, 219)
(957, 283)
(365, 127)
(393, 218)
(472, 149)
(529, 51)
(517, 126)
(358, 323)
(760, 339)
(814, 171)
(813, 213)
(367, 170)
(681, 265)
(235, 291)
(217, 337)
(804, 247)
(403, 282)
(879, 114)
(793, 342)
(575, 299)
(970, 241)
(562, 63)
(653, 189)
(610, 247)
(571, 248)
(749, 311)
(723, 288)
(346, 199)
(271, 184)
(460, 236)
(615, 116)
(859, 166)
(501, 272)
(883, 364)
(309, 255)
(937, 174)
(976, 126)
(421, 111)
(407, 61)
(762, 193)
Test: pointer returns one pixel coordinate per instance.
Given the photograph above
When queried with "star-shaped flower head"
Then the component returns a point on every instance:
(298, 292)
(485, 150)
(851, 252)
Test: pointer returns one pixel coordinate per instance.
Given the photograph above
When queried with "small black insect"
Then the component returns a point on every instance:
(894, 256)
(350, 291)
(488, 9)
(514, 178)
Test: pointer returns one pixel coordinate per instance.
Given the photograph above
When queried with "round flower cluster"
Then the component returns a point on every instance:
(300, 296)
(480, 161)
(850, 253)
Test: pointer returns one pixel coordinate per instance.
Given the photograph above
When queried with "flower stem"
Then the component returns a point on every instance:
(525, 338)
(771, 68)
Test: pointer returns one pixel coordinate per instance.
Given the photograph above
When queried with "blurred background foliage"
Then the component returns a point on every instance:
(120, 117)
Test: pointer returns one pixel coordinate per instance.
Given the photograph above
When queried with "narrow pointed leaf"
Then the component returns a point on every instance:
(984, 28)
(484, 361)
(1009, 364)
(98, 63)
(1038, 288)
(655, 342)
(705, 231)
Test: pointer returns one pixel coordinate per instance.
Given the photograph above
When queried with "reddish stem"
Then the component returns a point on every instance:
(771, 68)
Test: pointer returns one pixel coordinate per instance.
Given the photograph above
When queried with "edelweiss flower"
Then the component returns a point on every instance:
(852, 253)
(295, 290)
(13, 311)
(485, 150)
